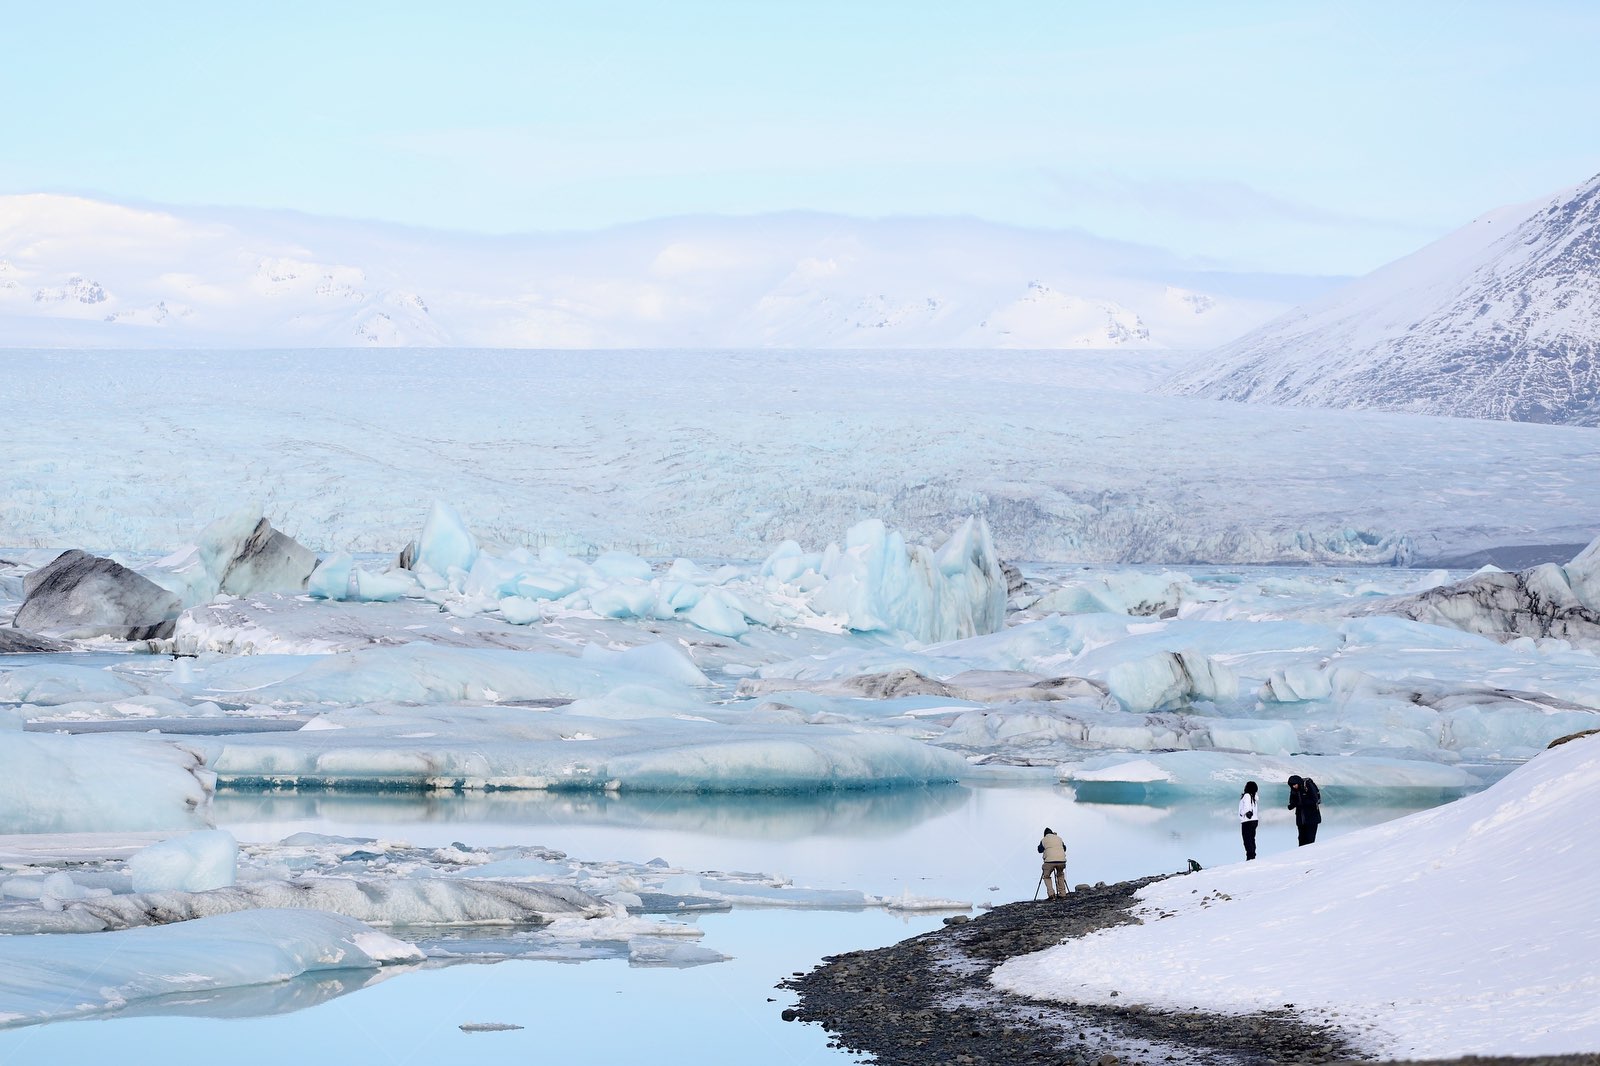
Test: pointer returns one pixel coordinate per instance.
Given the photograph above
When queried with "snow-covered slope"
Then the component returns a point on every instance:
(76, 272)
(1500, 319)
(1466, 929)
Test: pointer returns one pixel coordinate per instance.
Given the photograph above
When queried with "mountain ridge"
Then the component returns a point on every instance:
(82, 272)
(1499, 319)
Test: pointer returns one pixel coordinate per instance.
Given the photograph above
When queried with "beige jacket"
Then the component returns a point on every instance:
(1052, 848)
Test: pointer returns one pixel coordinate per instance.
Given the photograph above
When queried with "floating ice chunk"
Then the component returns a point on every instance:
(239, 554)
(514, 749)
(656, 659)
(382, 588)
(1170, 679)
(1583, 575)
(1079, 727)
(426, 673)
(716, 613)
(331, 579)
(445, 543)
(623, 600)
(646, 951)
(388, 901)
(48, 977)
(878, 584)
(788, 562)
(521, 611)
(907, 902)
(50, 684)
(621, 566)
(193, 862)
(1298, 683)
(1129, 592)
(1129, 778)
(100, 782)
(1542, 601)
(264, 560)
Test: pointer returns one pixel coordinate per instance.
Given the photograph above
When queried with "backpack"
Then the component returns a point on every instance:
(1310, 793)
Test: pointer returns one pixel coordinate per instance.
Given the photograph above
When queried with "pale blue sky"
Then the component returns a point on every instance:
(1287, 136)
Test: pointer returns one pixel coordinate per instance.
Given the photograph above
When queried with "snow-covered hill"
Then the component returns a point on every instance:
(81, 273)
(1500, 319)
(1458, 931)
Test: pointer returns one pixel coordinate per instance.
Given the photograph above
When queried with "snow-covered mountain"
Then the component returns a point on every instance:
(1500, 319)
(82, 273)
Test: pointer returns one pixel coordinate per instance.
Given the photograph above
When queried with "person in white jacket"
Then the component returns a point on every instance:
(1247, 818)
(1054, 873)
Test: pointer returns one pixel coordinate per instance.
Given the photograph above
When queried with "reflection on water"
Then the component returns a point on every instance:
(784, 816)
(951, 842)
(973, 843)
(261, 1001)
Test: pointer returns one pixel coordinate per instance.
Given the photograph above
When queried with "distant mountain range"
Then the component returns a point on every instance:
(77, 272)
(1500, 319)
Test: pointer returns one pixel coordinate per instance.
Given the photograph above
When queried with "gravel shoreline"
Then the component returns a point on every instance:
(927, 1000)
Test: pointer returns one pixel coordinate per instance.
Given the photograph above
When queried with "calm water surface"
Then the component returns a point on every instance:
(953, 842)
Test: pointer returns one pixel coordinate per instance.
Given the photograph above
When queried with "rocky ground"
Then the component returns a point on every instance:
(928, 1000)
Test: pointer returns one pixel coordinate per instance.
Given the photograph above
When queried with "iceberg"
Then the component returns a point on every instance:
(79, 595)
(446, 544)
(875, 583)
(1543, 601)
(1164, 775)
(239, 554)
(374, 901)
(1170, 679)
(193, 862)
(488, 750)
(43, 978)
(100, 782)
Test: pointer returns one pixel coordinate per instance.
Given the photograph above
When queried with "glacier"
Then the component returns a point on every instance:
(1496, 320)
(1054, 450)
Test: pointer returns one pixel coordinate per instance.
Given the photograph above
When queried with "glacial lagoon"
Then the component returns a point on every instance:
(956, 842)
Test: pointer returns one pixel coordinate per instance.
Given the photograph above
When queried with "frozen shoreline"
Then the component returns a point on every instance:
(928, 999)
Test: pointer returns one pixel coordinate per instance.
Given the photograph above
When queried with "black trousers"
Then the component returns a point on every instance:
(1248, 831)
(1308, 834)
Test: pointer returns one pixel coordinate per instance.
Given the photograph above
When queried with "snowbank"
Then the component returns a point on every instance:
(1466, 929)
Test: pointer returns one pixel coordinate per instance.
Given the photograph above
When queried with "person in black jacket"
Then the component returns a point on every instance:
(1305, 800)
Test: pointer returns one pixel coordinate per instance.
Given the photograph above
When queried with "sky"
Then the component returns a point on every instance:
(1310, 138)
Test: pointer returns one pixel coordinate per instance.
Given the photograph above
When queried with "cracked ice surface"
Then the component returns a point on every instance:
(726, 454)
